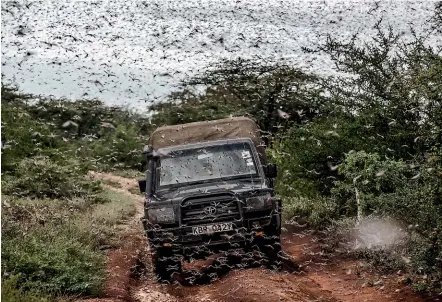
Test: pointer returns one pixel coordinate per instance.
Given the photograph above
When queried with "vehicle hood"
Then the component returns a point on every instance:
(229, 186)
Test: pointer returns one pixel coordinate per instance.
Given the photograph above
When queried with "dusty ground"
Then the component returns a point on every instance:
(318, 277)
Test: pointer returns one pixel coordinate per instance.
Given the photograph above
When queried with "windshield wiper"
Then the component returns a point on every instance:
(254, 179)
(184, 184)
(241, 178)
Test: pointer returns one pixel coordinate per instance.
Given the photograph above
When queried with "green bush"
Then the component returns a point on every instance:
(99, 136)
(56, 246)
(308, 154)
(54, 262)
(12, 293)
(55, 220)
(40, 177)
(315, 212)
(409, 193)
(243, 87)
(118, 150)
(47, 251)
(24, 136)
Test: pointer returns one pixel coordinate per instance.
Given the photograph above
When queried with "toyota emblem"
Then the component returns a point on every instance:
(211, 210)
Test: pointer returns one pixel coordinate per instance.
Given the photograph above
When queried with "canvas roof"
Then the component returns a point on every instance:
(234, 127)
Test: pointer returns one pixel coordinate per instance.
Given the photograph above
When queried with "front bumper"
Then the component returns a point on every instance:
(253, 224)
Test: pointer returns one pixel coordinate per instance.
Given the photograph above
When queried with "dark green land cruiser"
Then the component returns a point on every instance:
(208, 189)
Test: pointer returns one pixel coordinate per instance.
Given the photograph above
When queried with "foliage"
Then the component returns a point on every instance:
(410, 193)
(40, 177)
(120, 149)
(22, 135)
(54, 246)
(67, 266)
(437, 18)
(80, 118)
(314, 211)
(371, 177)
(47, 257)
(392, 187)
(100, 137)
(244, 87)
(56, 220)
(11, 292)
(308, 155)
(392, 86)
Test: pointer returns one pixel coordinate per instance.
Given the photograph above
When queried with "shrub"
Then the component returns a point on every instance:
(41, 177)
(12, 293)
(409, 193)
(120, 149)
(55, 246)
(102, 137)
(46, 251)
(23, 136)
(52, 262)
(243, 87)
(307, 154)
(316, 212)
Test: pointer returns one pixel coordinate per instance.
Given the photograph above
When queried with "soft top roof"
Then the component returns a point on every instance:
(234, 127)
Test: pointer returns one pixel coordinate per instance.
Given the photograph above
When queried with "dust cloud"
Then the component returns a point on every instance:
(377, 233)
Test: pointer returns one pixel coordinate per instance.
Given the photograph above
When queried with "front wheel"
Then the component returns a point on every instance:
(270, 248)
(166, 264)
(274, 253)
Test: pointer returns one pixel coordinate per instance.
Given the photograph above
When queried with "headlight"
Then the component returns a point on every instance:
(161, 215)
(258, 202)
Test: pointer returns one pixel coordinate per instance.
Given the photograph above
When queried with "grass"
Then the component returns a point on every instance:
(111, 183)
(55, 247)
(11, 293)
(136, 191)
(129, 173)
(315, 212)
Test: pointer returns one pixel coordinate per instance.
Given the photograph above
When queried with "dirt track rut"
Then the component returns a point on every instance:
(319, 277)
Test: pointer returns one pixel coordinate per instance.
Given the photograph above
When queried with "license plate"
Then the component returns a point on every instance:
(212, 228)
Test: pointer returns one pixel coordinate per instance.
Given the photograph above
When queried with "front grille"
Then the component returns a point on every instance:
(223, 207)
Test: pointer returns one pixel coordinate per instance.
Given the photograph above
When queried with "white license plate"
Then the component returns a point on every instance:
(212, 228)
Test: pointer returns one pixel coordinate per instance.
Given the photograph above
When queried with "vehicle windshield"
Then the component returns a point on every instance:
(206, 164)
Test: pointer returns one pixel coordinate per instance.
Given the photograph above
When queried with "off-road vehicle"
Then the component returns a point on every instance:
(208, 188)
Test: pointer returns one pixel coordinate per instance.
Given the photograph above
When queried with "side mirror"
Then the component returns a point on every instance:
(271, 171)
(148, 152)
(142, 185)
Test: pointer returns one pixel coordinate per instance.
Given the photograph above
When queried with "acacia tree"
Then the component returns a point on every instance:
(388, 100)
(275, 95)
(437, 18)
(393, 87)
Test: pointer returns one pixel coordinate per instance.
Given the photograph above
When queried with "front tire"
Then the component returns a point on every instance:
(269, 246)
(166, 264)
(273, 252)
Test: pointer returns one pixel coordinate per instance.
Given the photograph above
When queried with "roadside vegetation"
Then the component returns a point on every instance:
(367, 142)
(57, 223)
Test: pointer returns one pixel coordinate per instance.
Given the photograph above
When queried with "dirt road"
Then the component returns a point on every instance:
(315, 277)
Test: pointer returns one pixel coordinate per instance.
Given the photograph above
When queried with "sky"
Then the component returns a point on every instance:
(133, 53)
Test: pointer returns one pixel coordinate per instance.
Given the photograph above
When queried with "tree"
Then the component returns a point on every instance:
(437, 18)
(274, 95)
(393, 86)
